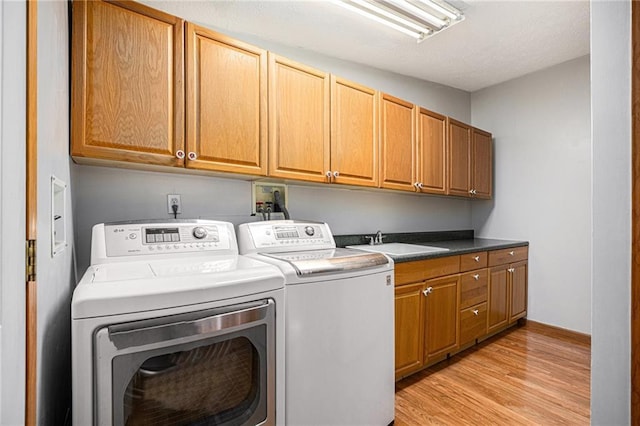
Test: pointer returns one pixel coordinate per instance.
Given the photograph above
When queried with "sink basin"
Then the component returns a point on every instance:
(399, 249)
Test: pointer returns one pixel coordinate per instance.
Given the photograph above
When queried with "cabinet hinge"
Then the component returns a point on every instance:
(30, 260)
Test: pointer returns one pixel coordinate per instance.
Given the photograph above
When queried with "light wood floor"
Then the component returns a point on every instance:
(526, 375)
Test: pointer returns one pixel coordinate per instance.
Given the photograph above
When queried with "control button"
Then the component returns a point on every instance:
(151, 238)
(176, 246)
(151, 248)
(309, 230)
(159, 247)
(199, 232)
(175, 238)
(133, 236)
(167, 238)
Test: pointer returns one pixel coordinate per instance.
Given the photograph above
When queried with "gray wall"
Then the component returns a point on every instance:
(611, 268)
(55, 274)
(103, 194)
(542, 192)
(12, 215)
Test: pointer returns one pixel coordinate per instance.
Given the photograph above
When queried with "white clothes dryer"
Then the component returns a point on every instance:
(171, 326)
(339, 324)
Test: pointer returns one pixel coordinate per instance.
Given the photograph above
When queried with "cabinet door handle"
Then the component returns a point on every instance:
(511, 253)
(427, 291)
(511, 270)
(180, 154)
(475, 312)
(476, 258)
(471, 191)
(415, 185)
(328, 175)
(192, 155)
(476, 277)
(420, 185)
(336, 174)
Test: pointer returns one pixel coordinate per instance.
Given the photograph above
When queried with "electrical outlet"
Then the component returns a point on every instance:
(171, 200)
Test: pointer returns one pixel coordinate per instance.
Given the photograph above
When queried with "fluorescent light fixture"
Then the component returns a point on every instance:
(417, 18)
(415, 10)
(439, 8)
(382, 18)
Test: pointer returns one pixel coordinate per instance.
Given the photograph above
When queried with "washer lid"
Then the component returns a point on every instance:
(314, 262)
(121, 288)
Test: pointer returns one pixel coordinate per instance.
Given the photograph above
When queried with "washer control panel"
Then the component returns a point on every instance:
(284, 235)
(127, 239)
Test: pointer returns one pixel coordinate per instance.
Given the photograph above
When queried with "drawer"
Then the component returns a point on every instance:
(420, 270)
(473, 288)
(473, 323)
(471, 261)
(510, 255)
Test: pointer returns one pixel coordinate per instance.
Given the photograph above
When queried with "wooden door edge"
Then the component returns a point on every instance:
(31, 307)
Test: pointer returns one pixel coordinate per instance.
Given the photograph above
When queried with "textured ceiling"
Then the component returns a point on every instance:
(498, 40)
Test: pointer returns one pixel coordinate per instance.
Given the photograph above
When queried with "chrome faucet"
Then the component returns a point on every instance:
(377, 239)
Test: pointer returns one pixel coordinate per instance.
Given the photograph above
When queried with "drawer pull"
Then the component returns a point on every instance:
(511, 253)
(476, 258)
(476, 277)
(475, 312)
(427, 291)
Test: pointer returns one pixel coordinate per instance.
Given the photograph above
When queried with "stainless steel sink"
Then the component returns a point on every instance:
(399, 249)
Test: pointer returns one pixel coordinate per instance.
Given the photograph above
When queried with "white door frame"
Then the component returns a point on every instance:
(12, 211)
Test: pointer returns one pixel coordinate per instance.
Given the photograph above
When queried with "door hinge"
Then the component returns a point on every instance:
(30, 260)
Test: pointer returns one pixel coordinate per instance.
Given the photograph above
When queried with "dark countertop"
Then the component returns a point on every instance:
(458, 242)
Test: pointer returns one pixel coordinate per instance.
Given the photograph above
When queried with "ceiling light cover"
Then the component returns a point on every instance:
(417, 18)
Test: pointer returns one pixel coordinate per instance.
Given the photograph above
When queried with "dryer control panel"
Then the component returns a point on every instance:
(283, 236)
(114, 240)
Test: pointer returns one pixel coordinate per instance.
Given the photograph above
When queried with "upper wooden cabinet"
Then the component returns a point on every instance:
(459, 158)
(431, 152)
(482, 164)
(397, 144)
(298, 121)
(354, 133)
(470, 161)
(127, 83)
(226, 103)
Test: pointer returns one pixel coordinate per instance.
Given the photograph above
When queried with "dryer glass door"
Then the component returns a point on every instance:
(207, 367)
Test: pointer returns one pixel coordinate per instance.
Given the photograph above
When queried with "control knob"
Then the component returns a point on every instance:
(199, 232)
(309, 231)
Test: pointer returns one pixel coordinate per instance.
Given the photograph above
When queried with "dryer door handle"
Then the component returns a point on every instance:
(203, 323)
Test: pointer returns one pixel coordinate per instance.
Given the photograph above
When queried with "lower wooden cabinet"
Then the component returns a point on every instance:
(443, 306)
(409, 328)
(441, 317)
(426, 315)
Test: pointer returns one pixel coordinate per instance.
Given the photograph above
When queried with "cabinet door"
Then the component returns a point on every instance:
(409, 328)
(441, 320)
(354, 133)
(518, 277)
(498, 297)
(459, 158)
(482, 162)
(397, 144)
(298, 121)
(226, 103)
(127, 83)
(432, 152)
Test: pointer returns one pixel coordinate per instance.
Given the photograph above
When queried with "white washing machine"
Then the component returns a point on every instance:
(171, 326)
(339, 324)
